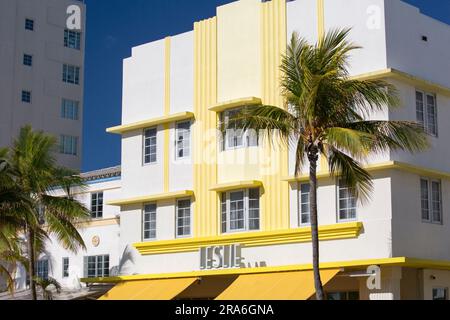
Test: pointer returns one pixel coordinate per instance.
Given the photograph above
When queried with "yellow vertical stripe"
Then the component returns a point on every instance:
(167, 57)
(321, 18)
(205, 139)
(275, 199)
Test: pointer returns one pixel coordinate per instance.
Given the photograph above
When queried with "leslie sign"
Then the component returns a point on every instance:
(221, 257)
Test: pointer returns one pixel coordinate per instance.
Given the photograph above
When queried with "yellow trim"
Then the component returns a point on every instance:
(99, 223)
(235, 103)
(400, 75)
(152, 198)
(275, 200)
(394, 165)
(320, 19)
(205, 219)
(252, 239)
(236, 185)
(355, 264)
(151, 122)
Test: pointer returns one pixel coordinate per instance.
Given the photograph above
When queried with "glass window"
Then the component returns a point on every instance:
(240, 210)
(96, 266)
(426, 111)
(29, 24)
(65, 264)
(346, 203)
(27, 60)
(26, 96)
(68, 145)
(440, 294)
(42, 269)
(71, 74)
(304, 205)
(150, 146)
(69, 109)
(97, 205)
(431, 200)
(72, 39)
(149, 228)
(234, 136)
(183, 218)
(183, 142)
(343, 295)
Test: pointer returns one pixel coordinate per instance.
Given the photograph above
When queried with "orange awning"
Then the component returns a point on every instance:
(163, 289)
(296, 285)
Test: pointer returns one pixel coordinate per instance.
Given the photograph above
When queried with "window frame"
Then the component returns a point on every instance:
(78, 35)
(74, 106)
(144, 139)
(177, 226)
(97, 274)
(27, 93)
(300, 204)
(440, 288)
(246, 208)
(425, 112)
(96, 216)
(224, 146)
(144, 230)
(76, 74)
(177, 157)
(45, 268)
(65, 272)
(338, 205)
(27, 21)
(27, 58)
(74, 144)
(431, 219)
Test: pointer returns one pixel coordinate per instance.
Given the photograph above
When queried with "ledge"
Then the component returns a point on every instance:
(397, 74)
(352, 265)
(99, 223)
(252, 239)
(249, 101)
(152, 198)
(236, 185)
(151, 122)
(378, 167)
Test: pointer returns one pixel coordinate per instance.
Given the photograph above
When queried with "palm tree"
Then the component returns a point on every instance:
(47, 286)
(327, 114)
(36, 175)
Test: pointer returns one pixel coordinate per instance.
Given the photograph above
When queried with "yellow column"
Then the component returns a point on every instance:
(321, 18)
(205, 139)
(275, 200)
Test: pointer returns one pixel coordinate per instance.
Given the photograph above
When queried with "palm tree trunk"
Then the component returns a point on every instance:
(31, 263)
(313, 158)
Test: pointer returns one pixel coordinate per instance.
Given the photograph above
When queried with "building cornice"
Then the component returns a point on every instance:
(152, 198)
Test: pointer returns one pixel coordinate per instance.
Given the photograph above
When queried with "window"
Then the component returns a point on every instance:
(26, 96)
(346, 203)
(96, 266)
(69, 109)
(304, 205)
(426, 110)
(150, 140)
(235, 137)
(183, 140)
(240, 210)
(72, 39)
(431, 200)
(42, 269)
(68, 145)
(29, 24)
(27, 60)
(343, 296)
(149, 228)
(440, 294)
(97, 205)
(71, 74)
(183, 218)
(65, 264)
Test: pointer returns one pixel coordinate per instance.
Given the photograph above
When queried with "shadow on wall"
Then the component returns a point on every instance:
(126, 264)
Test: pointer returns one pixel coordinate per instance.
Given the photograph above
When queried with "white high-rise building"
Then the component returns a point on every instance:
(41, 73)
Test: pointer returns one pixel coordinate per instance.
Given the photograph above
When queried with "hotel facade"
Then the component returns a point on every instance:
(211, 216)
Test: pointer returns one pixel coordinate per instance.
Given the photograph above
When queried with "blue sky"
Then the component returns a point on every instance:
(113, 28)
